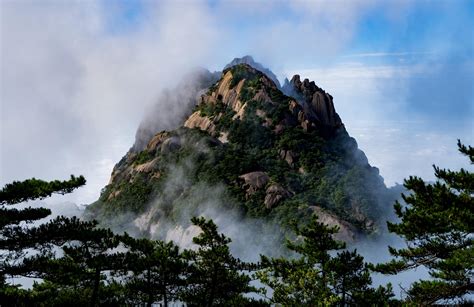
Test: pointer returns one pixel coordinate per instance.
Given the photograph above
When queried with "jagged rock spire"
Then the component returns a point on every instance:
(317, 104)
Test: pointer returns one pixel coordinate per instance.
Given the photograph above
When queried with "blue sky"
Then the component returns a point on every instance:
(416, 27)
(421, 50)
(80, 74)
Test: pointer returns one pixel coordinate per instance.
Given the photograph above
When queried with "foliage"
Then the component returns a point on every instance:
(215, 276)
(437, 223)
(142, 157)
(328, 172)
(131, 196)
(30, 189)
(317, 278)
(86, 255)
(14, 237)
(239, 72)
(157, 271)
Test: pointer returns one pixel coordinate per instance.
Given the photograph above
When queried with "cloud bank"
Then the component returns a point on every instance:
(77, 77)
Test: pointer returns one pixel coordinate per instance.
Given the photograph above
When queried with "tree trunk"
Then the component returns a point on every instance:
(149, 290)
(213, 287)
(95, 291)
(165, 294)
(343, 290)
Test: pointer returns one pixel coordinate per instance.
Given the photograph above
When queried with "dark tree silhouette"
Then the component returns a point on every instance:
(437, 223)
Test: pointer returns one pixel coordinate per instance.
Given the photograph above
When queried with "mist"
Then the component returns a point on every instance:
(78, 78)
(181, 196)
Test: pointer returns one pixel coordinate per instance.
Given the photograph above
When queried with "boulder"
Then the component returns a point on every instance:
(254, 181)
(346, 233)
(224, 137)
(275, 194)
(289, 156)
(147, 167)
(114, 194)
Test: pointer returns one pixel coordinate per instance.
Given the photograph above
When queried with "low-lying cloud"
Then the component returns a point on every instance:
(77, 77)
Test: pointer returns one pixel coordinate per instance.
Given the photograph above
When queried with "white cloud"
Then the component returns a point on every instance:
(73, 90)
(73, 93)
(373, 103)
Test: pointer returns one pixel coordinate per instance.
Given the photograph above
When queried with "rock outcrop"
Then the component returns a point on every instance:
(203, 123)
(346, 233)
(254, 181)
(170, 145)
(289, 156)
(311, 108)
(274, 194)
(317, 104)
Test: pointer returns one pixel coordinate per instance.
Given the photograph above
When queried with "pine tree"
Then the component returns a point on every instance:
(157, 271)
(316, 278)
(303, 281)
(437, 223)
(215, 277)
(87, 252)
(12, 223)
(350, 281)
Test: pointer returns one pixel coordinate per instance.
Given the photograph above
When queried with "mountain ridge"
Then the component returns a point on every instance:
(276, 157)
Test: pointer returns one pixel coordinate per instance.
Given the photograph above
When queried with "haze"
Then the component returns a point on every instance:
(77, 77)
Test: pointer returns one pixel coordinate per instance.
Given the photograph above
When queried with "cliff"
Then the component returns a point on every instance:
(269, 153)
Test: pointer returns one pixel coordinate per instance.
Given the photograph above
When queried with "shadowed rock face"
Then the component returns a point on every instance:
(274, 194)
(317, 104)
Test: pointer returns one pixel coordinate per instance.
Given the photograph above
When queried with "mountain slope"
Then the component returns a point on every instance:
(249, 148)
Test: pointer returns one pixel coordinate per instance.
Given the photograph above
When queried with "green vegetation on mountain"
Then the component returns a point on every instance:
(244, 127)
(77, 263)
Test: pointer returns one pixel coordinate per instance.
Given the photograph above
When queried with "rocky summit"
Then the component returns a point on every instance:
(247, 145)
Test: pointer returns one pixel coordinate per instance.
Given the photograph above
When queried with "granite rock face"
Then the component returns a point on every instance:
(275, 151)
(274, 194)
(317, 104)
(254, 181)
(196, 120)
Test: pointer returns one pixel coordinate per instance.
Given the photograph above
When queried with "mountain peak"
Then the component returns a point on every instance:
(279, 152)
(248, 59)
(243, 92)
